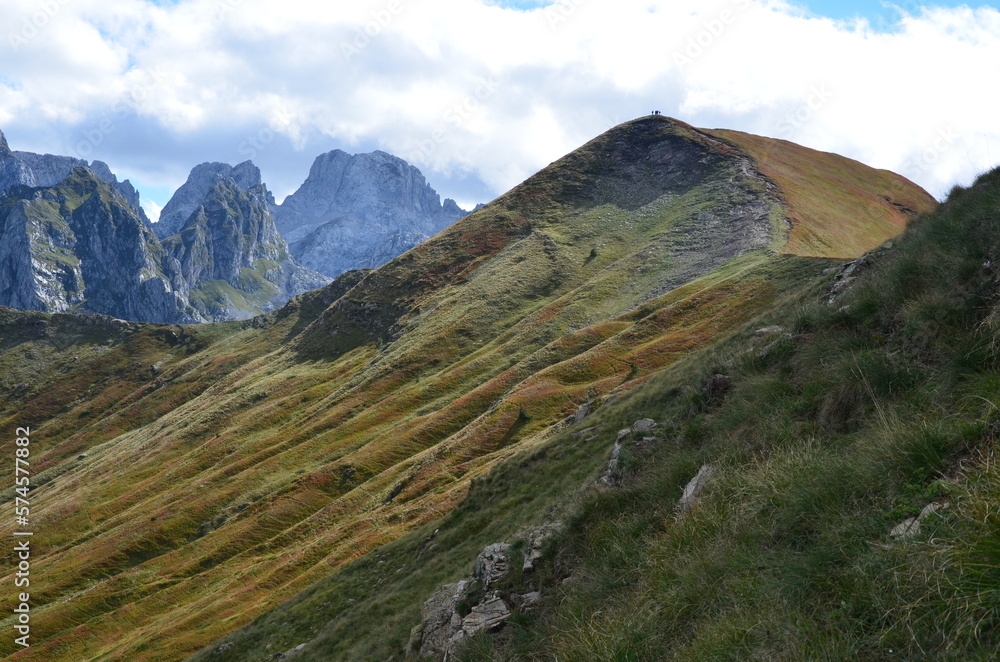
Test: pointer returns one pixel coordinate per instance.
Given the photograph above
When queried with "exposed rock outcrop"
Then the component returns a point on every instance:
(432, 638)
(198, 188)
(493, 564)
(612, 476)
(644, 426)
(448, 618)
(910, 528)
(612, 473)
(360, 212)
(47, 170)
(535, 539)
(694, 489)
(233, 261)
(80, 246)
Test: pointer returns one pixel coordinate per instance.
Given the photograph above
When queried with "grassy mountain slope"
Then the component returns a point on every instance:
(872, 407)
(195, 477)
(836, 209)
(849, 417)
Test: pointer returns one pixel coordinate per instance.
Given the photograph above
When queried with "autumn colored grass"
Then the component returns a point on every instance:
(194, 478)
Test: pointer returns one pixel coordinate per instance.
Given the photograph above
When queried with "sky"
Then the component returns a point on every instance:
(480, 94)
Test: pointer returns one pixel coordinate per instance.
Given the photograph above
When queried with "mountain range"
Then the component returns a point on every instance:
(672, 397)
(80, 245)
(19, 169)
(215, 253)
(360, 211)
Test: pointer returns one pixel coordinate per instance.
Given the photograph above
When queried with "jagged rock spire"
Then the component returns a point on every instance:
(4, 148)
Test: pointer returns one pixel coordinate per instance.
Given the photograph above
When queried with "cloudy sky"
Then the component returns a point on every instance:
(479, 94)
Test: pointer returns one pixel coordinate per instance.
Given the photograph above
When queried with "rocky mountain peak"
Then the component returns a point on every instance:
(377, 187)
(360, 211)
(102, 170)
(48, 170)
(246, 175)
(79, 247)
(200, 183)
(451, 207)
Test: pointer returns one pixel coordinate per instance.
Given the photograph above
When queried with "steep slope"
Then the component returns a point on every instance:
(200, 182)
(227, 247)
(46, 170)
(360, 211)
(79, 246)
(836, 210)
(248, 460)
(849, 441)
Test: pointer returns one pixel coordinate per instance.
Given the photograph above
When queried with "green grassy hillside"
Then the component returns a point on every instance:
(194, 478)
(871, 408)
(842, 419)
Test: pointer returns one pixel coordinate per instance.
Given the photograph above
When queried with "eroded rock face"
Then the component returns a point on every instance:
(441, 620)
(491, 613)
(359, 212)
(79, 246)
(493, 564)
(232, 258)
(198, 188)
(612, 476)
(645, 425)
(444, 626)
(47, 170)
(536, 538)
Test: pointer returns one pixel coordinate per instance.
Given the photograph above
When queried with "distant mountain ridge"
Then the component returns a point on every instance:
(361, 211)
(43, 170)
(217, 248)
(227, 244)
(81, 245)
(199, 184)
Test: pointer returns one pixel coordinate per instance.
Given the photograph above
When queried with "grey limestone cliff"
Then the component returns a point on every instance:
(360, 211)
(227, 249)
(199, 185)
(45, 170)
(79, 246)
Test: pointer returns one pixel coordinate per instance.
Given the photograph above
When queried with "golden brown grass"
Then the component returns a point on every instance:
(838, 207)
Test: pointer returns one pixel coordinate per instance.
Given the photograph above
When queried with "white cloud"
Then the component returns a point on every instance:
(281, 82)
(152, 210)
